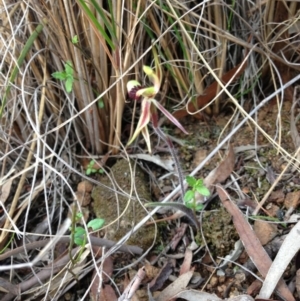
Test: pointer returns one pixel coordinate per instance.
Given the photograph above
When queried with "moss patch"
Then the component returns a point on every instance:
(120, 203)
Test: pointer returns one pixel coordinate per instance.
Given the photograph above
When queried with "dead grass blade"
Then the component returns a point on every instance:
(252, 244)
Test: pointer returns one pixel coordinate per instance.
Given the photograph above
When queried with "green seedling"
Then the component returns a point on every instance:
(197, 186)
(80, 235)
(66, 76)
(100, 103)
(92, 170)
(190, 206)
(75, 39)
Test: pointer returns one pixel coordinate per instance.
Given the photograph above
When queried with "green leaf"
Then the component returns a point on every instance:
(190, 205)
(69, 68)
(79, 236)
(91, 163)
(191, 181)
(96, 223)
(75, 39)
(88, 171)
(199, 183)
(60, 75)
(199, 207)
(69, 84)
(100, 104)
(189, 195)
(94, 21)
(79, 215)
(203, 190)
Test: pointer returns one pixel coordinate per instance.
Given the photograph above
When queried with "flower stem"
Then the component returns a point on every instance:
(170, 145)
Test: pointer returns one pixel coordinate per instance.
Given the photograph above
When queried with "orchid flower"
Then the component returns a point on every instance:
(149, 105)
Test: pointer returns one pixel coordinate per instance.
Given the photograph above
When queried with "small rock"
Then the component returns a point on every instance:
(292, 199)
(83, 198)
(264, 231)
(85, 186)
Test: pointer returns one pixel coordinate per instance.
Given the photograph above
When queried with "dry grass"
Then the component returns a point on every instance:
(44, 129)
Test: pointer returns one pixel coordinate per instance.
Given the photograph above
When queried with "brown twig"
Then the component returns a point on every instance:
(40, 276)
(101, 242)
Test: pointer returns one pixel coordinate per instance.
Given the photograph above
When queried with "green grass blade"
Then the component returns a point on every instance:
(109, 25)
(20, 61)
(113, 23)
(95, 22)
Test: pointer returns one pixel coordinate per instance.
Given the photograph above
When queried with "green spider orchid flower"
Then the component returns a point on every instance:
(149, 105)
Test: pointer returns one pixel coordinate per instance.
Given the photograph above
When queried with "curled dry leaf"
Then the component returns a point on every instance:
(5, 190)
(106, 269)
(133, 285)
(223, 171)
(176, 287)
(178, 236)
(106, 293)
(254, 288)
(186, 265)
(162, 276)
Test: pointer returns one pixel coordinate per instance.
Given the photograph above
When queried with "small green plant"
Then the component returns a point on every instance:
(66, 75)
(75, 40)
(190, 206)
(92, 170)
(80, 235)
(197, 186)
